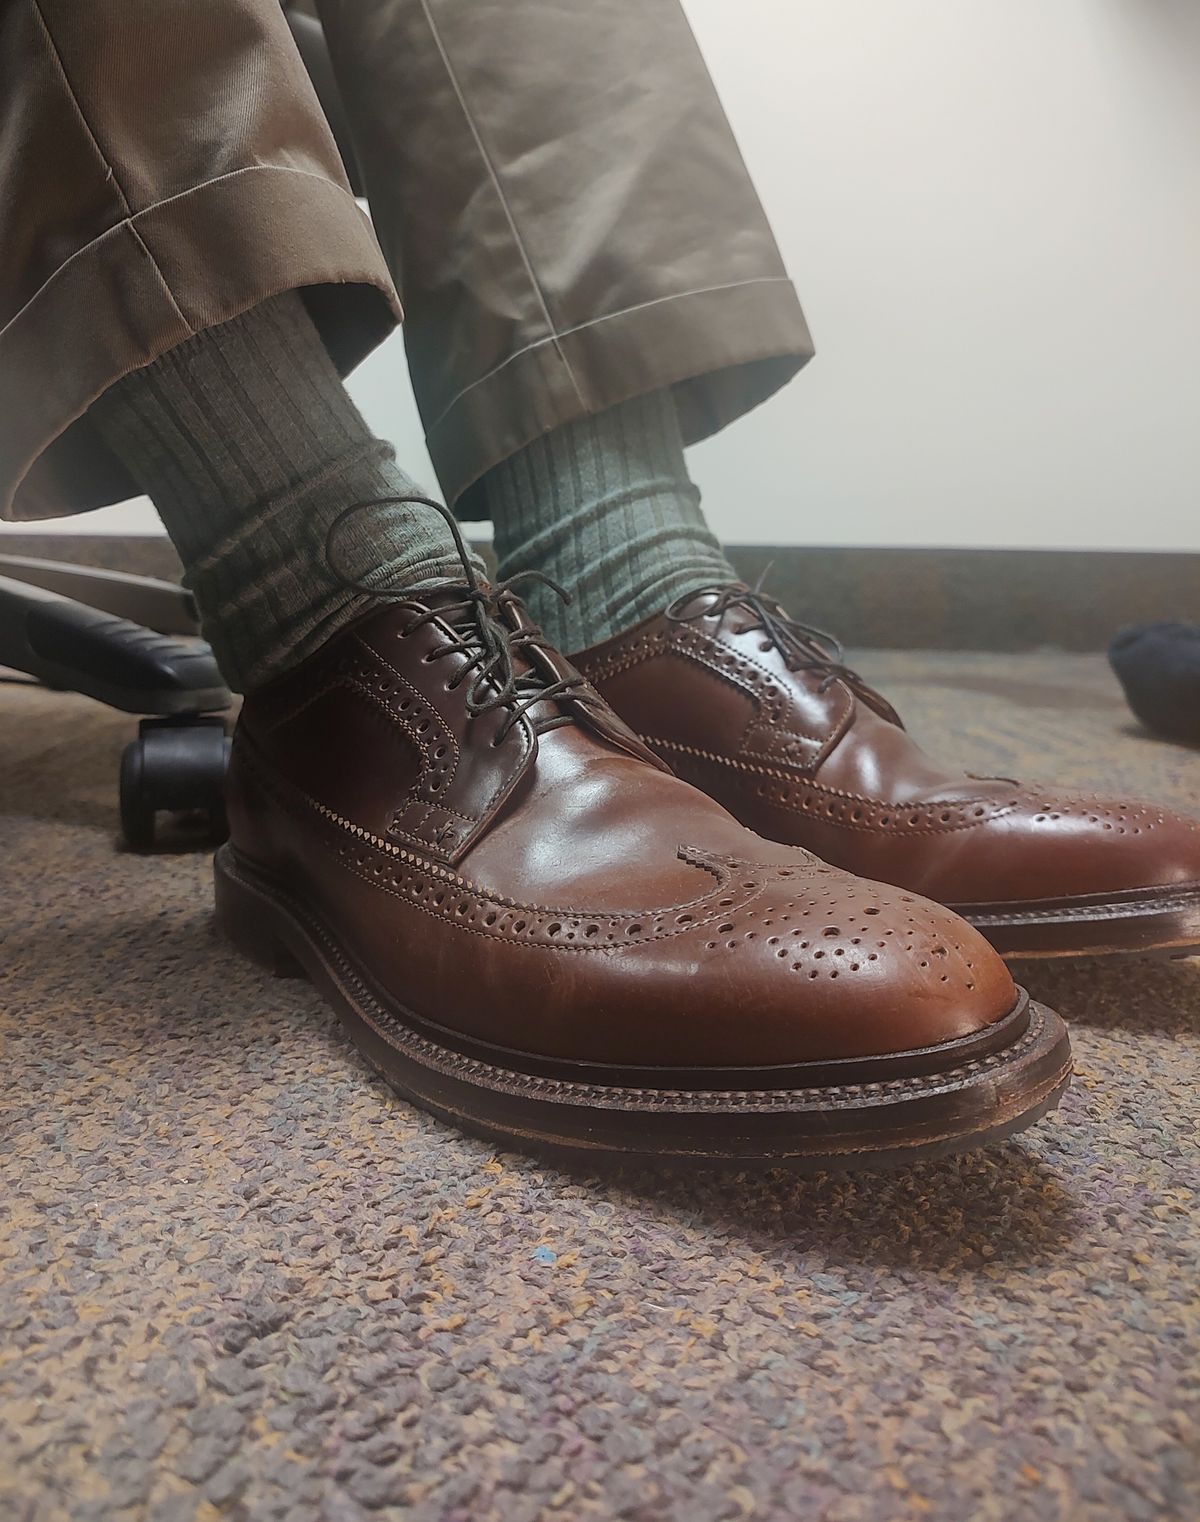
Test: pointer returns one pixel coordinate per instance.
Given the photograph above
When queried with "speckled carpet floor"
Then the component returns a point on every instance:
(239, 1279)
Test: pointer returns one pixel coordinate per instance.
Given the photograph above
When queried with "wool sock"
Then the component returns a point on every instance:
(250, 447)
(605, 506)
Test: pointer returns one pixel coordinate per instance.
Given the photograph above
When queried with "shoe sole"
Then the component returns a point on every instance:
(1149, 922)
(969, 1096)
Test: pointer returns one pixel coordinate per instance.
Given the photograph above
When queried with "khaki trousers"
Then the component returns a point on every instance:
(555, 192)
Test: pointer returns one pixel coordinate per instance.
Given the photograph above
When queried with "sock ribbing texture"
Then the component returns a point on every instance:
(250, 447)
(605, 506)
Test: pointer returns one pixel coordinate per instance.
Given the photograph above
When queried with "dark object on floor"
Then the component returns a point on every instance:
(1158, 665)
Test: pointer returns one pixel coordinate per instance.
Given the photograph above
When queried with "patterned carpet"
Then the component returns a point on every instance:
(239, 1279)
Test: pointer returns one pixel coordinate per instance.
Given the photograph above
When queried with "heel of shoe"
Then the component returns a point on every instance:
(248, 921)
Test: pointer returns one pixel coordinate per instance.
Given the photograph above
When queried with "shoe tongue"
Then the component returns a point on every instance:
(739, 594)
(700, 602)
(532, 666)
(737, 597)
(537, 665)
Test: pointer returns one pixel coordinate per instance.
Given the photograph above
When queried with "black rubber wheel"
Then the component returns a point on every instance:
(175, 766)
(137, 812)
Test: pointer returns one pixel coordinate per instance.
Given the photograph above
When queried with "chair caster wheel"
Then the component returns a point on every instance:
(176, 765)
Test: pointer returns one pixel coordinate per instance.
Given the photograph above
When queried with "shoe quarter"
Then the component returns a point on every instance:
(439, 775)
(725, 697)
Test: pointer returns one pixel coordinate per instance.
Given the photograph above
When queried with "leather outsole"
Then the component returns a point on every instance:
(878, 1112)
(1144, 922)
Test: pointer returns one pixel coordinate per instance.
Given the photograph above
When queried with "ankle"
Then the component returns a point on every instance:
(604, 505)
(251, 449)
(274, 593)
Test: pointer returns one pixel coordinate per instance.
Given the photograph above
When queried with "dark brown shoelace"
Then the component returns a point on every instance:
(476, 616)
(803, 646)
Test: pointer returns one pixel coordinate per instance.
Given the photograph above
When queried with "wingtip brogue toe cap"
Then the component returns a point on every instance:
(1048, 845)
(838, 967)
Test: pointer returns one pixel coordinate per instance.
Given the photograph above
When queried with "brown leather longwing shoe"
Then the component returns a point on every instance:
(532, 928)
(758, 710)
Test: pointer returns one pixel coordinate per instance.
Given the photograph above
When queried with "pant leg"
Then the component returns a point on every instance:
(564, 207)
(164, 165)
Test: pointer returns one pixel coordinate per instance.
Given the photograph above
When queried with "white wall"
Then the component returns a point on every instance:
(992, 211)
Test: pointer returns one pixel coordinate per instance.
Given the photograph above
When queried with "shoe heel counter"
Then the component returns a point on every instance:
(252, 813)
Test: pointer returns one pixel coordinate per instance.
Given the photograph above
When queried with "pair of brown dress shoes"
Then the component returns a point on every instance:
(713, 927)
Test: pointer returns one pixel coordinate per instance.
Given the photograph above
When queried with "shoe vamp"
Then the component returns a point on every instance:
(592, 828)
(875, 759)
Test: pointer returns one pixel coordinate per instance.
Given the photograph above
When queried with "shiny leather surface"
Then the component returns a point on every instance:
(541, 884)
(814, 758)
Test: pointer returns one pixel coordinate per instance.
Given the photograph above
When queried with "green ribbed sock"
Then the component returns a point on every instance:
(605, 506)
(250, 447)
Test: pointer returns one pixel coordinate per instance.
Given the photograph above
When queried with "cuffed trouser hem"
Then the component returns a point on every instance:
(110, 309)
(722, 351)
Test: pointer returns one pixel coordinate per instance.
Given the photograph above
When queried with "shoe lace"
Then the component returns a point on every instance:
(803, 646)
(477, 619)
